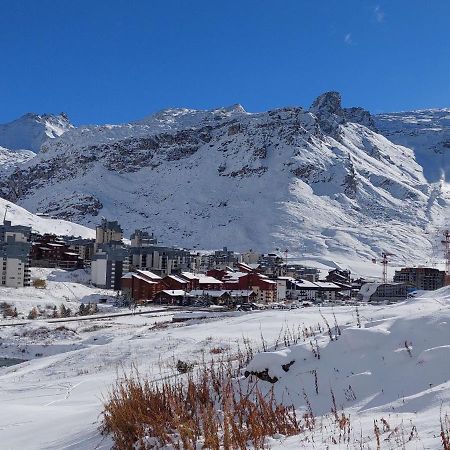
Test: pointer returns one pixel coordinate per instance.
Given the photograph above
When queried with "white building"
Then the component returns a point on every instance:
(109, 264)
(14, 255)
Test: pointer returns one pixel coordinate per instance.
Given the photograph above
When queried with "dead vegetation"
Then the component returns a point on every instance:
(207, 407)
(210, 405)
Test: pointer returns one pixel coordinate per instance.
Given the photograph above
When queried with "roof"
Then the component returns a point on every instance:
(305, 284)
(241, 293)
(147, 273)
(201, 277)
(174, 292)
(206, 279)
(144, 279)
(212, 293)
(189, 275)
(178, 279)
(327, 285)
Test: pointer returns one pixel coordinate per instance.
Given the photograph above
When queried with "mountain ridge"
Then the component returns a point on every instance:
(205, 179)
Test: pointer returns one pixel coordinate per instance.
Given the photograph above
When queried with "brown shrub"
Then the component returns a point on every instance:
(40, 284)
(208, 406)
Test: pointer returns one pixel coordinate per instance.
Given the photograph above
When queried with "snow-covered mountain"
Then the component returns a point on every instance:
(320, 181)
(31, 130)
(427, 132)
(9, 160)
(20, 216)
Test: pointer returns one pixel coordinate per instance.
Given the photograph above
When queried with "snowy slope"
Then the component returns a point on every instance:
(427, 132)
(321, 182)
(30, 131)
(369, 369)
(10, 160)
(20, 216)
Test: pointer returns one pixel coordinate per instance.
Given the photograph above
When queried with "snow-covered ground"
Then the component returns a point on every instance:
(20, 216)
(55, 401)
(63, 287)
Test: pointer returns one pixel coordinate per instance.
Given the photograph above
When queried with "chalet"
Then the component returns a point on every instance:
(225, 297)
(219, 297)
(52, 251)
(265, 289)
(141, 286)
(176, 282)
(171, 297)
(219, 274)
(201, 281)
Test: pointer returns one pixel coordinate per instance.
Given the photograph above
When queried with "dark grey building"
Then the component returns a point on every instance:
(423, 278)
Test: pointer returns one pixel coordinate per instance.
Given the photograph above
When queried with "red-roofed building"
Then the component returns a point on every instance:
(141, 286)
(265, 289)
(201, 281)
(174, 282)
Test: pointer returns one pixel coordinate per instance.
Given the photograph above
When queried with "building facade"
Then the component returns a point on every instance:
(14, 255)
(423, 278)
(109, 263)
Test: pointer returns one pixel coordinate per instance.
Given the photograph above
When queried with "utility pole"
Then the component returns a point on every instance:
(446, 244)
(6, 210)
(286, 256)
(385, 262)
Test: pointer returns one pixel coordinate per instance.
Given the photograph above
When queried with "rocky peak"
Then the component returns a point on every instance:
(327, 108)
(361, 116)
(327, 103)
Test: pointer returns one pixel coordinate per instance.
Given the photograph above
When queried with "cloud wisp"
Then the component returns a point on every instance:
(379, 14)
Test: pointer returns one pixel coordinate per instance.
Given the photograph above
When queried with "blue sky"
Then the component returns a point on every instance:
(115, 61)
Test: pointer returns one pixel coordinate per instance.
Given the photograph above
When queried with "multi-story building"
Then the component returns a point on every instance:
(160, 260)
(84, 248)
(52, 251)
(265, 289)
(383, 292)
(109, 263)
(108, 232)
(14, 255)
(141, 286)
(423, 278)
(143, 239)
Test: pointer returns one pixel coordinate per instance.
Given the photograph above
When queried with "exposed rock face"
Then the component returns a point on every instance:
(320, 182)
(328, 110)
(327, 107)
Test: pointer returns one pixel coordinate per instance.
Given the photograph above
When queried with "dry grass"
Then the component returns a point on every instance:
(206, 408)
(445, 432)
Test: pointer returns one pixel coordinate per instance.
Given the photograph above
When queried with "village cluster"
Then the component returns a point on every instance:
(142, 271)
